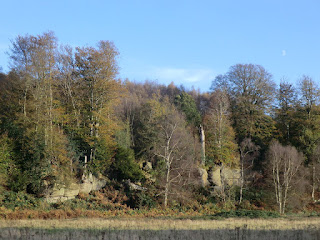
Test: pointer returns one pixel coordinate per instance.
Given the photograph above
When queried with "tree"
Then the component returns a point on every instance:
(174, 148)
(284, 163)
(251, 92)
(315, 164)
(7, 166)
(287, 104)
(162, 135)
(187, 105)
(248, 153)
(33, 68)
(125, 167)
(310, 94)
(220, 138)
(63, 106)
(308, 116)
(89, 86)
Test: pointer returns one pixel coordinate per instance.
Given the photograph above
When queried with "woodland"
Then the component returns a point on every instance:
(65, 113)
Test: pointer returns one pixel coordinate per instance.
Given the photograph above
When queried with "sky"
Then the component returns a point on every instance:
(187, 42)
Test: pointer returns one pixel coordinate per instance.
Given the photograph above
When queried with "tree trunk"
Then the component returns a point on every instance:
(313, 182)
(203, 145)
(166, 190)
(242, 182)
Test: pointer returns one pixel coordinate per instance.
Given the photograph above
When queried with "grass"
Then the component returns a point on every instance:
(165, 224)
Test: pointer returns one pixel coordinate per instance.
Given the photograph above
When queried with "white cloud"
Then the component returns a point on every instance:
(183, 75)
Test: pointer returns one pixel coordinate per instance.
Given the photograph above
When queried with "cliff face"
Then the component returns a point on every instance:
(61, 192)
(219, 176)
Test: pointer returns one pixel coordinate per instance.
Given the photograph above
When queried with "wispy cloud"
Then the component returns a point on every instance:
(183, 75)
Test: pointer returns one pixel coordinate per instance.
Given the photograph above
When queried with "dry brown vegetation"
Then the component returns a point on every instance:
(165, 224)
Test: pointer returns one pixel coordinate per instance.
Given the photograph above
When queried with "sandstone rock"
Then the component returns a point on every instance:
(203, 177)
(51, 199)
(223, 174)
(57, 191)
(85, 188)
(134, 186)
(97, 184)
(63, 193)
(72, 190)
(215, 176)
(231, 176)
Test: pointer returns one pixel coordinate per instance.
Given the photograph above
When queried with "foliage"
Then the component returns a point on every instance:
(247, 214)
(141, 200)
(7, 166)
(19, 200)
(220, 136)
(251, 89)
(187, 105)
(124, 165)
(63, 111)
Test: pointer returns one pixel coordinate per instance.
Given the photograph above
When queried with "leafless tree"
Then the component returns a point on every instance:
(315, 164)
(248, 153)
(284, 162)
(175, 148)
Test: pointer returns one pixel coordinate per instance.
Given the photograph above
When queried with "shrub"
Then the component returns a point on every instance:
(19, 200)
(141, 200)
(125, 166)
(247, 213)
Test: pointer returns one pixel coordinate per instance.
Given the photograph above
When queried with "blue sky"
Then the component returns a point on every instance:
(187, 42)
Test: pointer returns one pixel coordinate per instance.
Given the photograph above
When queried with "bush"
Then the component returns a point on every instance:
(19, 200)
(141, 200)
(247, 213)
(125, 166)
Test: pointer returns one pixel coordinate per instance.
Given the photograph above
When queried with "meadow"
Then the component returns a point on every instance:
(152, 228)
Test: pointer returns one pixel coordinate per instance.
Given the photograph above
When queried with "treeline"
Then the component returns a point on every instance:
(65, 113)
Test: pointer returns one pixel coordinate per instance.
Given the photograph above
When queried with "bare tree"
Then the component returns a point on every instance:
(284, 162)
(174, 148)
(248, 153)
(315, 158)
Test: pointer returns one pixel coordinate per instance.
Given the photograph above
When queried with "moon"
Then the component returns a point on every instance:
(284, 53)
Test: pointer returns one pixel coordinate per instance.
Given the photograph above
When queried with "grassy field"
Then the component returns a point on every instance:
(166, 224)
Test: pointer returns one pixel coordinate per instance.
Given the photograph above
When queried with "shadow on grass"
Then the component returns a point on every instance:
(220, 234)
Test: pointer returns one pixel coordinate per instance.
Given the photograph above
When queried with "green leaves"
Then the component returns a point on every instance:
(125, 167)
(187, 105)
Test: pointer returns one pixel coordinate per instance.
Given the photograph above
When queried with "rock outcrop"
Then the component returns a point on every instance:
(60, 192)
(203, 177)
(218, 176)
